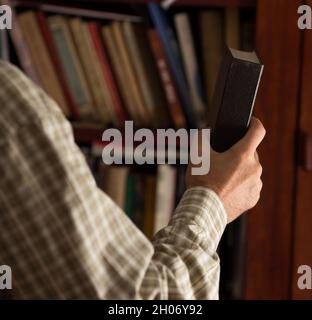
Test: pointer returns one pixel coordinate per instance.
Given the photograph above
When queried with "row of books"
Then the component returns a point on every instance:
(147, 196)
(118, 70)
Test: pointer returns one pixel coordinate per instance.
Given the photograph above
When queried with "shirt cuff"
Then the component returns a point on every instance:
(203, 207)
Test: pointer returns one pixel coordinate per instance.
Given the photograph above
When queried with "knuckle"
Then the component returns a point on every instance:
(259, 126)
(260, 185)
(256, 157)
(257, 170)
(256, 199)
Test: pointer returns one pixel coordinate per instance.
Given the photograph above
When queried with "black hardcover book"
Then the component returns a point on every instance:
(233, 101)
(234, 97)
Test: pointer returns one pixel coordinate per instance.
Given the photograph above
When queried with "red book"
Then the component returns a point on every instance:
(56, 63)
(107, 72)
(166, 78)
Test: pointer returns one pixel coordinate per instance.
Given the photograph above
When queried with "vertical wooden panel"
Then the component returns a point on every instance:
(269, 230)
(303, 217)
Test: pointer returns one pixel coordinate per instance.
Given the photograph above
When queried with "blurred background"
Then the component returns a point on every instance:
(108, 61)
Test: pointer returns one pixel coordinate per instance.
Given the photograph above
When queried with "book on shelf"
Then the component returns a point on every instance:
(4, 45)
(113, 180)
(41, 17)
(139, 198)
(247, 27)
(42, 61)
(71, 65)
(121, 113)
(92, 70)
(232, 28)
(143, 114)
(146, 73)
(118, 69)
(23, 51)
(149, 205)
(174, 59)
(212, 44)
(173, 101)
(165, 196)
(191, 68)
(129, 195)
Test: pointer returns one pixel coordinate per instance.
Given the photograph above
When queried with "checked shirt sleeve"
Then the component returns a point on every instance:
(185, 258)
(65, 239)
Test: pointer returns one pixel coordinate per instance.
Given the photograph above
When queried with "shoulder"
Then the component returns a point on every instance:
(22, 101)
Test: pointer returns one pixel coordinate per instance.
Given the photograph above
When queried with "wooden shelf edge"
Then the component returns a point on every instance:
(87, 133)
(201, 3)
(192, 3)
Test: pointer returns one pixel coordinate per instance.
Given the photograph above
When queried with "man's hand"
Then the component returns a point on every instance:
(235, 175)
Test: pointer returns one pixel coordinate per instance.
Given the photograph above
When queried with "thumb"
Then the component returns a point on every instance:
(252, 138)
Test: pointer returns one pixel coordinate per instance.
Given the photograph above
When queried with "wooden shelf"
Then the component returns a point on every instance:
(193, 3)
(198, 3)
(86, 132)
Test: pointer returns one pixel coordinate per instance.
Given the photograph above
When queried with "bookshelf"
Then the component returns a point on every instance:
(273, 247)
(83, 132)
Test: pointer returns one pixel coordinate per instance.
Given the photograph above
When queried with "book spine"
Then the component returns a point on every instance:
(106, 99)
(137, 61)
(118, 67)
(138, 206)
(175, 64)
(165, 196)
(129, 200)
(107, 73)
(56, 62)
(22, 50)
(149, 206)
(113, 181)
(71, 65)
(168, 85)
(88, 66)
(191, 67)
(247, 33)
(147, 74)
(41, 58)
(180, 184)
(232, 27)
(4, 45)
(142, 112)
(212, 43)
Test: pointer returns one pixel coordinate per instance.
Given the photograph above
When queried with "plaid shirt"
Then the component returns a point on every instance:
(65, 239)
